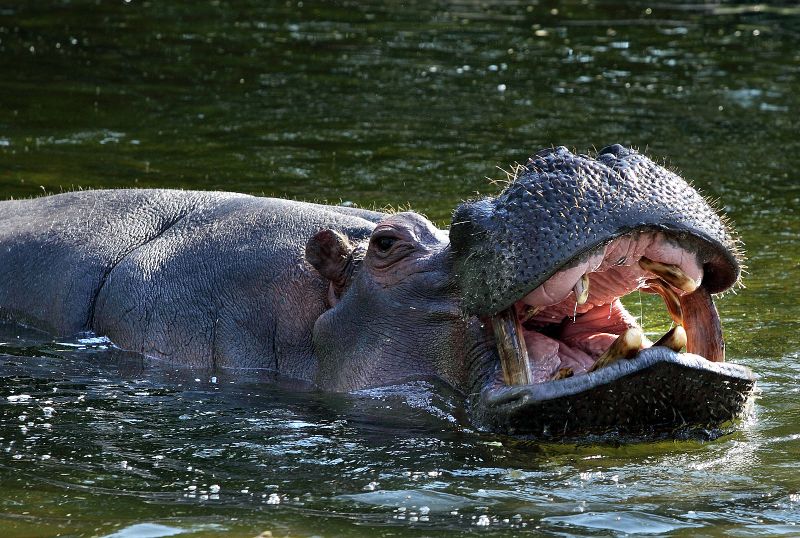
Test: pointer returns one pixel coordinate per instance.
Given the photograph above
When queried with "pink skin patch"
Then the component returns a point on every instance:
(576, 359)
(543, 355)
(576, 335)
(613, 272)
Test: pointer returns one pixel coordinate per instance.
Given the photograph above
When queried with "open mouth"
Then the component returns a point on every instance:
(575, 323)
(547, 262)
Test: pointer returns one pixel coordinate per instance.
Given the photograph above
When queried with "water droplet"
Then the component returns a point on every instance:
(483, 521)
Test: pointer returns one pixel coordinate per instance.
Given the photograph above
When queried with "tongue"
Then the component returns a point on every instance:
(703, 329)
(547, 356)
(543, 355)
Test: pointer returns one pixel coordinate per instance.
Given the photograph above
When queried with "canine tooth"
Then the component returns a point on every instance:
(563, 373)
(703, 329)
(672, 274)
(675, 339)
(582, 289)
(626, 346)
(671, 298)
(511, 348)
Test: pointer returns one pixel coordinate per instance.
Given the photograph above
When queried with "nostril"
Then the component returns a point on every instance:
(616, 150)
(546, 152)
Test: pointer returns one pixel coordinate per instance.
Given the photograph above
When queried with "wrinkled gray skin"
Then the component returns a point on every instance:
(211, 279)
(345, 298)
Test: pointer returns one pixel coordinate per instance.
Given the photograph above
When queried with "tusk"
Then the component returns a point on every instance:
(675, 339)
(671, 298)
(626, 346)
(511, 348)
(582, 289)
(703, 329)
(672, 274)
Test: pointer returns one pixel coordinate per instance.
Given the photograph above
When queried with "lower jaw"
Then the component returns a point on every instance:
(660, 393)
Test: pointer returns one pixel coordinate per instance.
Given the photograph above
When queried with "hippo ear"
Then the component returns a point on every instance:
(331, 254)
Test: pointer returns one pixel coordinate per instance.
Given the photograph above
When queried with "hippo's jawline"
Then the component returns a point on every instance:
(574, 323)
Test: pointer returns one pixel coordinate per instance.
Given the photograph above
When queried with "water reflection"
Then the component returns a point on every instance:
(379, 104)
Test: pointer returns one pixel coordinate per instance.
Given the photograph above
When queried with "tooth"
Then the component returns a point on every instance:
(582, 289)
(703, 329)
(672, 274)
(563, 373)
(626, 346)
(529, 313)
(675, 339)
(671, 298)
(511, 348)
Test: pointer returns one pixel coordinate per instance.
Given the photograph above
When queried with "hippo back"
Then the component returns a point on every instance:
(56, 251)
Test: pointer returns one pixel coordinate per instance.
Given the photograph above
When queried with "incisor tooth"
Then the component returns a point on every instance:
(671, 274)
(675, 339)
(582, 289)
(626, 346)
(529, 313)
(511, 348)
(671, 298)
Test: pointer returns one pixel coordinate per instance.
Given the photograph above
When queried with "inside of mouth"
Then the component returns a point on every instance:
(562, 338)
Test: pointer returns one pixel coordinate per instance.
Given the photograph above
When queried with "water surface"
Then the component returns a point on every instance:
(404, 105)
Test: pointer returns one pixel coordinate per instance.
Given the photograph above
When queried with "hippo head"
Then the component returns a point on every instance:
(394, 308)
(519, 306)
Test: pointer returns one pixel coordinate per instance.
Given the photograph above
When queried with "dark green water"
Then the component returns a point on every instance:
(382, 103)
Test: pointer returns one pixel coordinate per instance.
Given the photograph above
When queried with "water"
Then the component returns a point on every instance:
(382, 104)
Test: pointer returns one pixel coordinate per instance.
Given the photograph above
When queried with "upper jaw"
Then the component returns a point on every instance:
(561, 206)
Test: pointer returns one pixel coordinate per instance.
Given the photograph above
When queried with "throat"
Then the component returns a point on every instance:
(575, 343)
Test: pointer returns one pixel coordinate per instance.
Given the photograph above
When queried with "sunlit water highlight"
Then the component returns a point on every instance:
(376, 104)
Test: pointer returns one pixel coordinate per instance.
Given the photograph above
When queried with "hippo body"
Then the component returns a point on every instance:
(203, 279)
(342, 298)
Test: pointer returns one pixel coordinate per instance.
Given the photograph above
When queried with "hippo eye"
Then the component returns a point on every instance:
(384, 243)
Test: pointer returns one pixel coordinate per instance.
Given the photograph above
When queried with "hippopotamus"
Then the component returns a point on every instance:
(517, 307)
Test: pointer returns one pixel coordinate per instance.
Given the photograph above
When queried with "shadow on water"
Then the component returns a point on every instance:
(385, 103)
